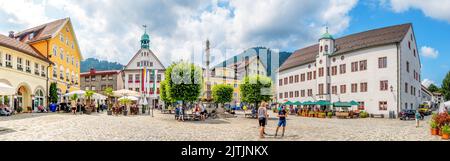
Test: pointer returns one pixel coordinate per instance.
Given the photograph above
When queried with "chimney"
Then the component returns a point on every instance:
(11, 34)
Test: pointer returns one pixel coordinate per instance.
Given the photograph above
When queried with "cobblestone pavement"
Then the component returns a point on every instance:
(163, 127)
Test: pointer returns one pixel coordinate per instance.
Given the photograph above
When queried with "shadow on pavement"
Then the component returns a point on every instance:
(23, 116)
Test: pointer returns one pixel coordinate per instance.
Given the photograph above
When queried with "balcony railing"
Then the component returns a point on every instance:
(8, 65)
(43, 74)
(20, 68)
(36, 72)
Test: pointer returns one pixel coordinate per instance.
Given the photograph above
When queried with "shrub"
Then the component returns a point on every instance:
(446, 129)
(442, 119)
(329, 114)
(433, 124)
(363, 114)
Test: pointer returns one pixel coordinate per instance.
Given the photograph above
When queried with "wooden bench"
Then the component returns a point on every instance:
(377, 115)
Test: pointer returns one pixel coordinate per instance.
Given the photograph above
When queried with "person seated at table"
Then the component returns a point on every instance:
(197, 109)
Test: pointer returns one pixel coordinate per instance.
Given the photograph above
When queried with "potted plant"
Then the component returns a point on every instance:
(19, 109)
(330, 114)
(434, 127)
(445, 132)
(109, 92)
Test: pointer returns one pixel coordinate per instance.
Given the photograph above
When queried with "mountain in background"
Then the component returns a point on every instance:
(267, 56)
(99, 65)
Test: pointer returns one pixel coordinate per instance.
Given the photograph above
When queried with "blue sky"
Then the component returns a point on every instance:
(429, 32)
(110, 30)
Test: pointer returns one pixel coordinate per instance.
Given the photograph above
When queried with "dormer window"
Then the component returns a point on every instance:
(31, 36)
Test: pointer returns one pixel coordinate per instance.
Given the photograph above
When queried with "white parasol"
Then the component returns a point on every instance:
(6, 89)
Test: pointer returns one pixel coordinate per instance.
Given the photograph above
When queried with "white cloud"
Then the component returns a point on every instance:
(429, 52)
(111, 29)
(438, 9)
(427, 82)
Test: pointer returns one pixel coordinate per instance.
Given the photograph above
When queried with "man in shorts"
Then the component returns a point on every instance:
(282, 120)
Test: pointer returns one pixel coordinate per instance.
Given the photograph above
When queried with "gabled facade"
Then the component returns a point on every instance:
(57, 42)
(144, 72)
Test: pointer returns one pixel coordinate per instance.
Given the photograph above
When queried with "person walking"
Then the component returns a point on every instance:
(281, 120)
(417, 118)
(262, 118)
(181, 113)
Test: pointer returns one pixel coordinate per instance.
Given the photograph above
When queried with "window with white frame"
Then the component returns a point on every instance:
(28, 66)
(55, 50)
(61, 73)
(61, 37)
(43, 71)
(55, 71)
(19, 64)
(61, 54)
(1, 59)
(8, 60)
(36, 68)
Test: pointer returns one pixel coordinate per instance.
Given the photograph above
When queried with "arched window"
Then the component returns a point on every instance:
(39, 98)
(321, 48)
(326, 48)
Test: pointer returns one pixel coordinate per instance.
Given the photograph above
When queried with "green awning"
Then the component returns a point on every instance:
(309, 103)
(354, 103)
(298, 103)
(342, 104)
(323, 103)
(288, 103)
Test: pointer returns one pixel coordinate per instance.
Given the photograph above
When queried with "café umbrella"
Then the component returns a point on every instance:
(6, 89)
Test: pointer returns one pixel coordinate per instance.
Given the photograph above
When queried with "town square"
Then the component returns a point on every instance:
(220, 70)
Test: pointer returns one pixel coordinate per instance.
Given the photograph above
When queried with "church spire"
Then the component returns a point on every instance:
(145, 39)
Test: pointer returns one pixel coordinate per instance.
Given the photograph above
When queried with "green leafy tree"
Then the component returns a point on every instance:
(222, 93)
(256, 88)
(184, 82)
(433, 88)
(446, 86)
(109, 92)
(89, 94)
(53, 93)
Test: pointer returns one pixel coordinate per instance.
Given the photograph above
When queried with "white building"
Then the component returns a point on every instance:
(144, 72)
(379, 68)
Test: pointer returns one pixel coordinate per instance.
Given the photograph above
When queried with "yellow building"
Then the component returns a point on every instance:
(23, 75)
(57, 42)
(224, 75)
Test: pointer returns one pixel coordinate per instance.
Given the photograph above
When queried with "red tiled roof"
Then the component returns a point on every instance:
(99, 73)
(371, 38)
(20, 46)
(42, 32)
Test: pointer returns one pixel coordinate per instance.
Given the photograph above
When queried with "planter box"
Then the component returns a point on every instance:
(342, 114)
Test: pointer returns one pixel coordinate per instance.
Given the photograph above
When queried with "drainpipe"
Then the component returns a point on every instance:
(48, 76)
